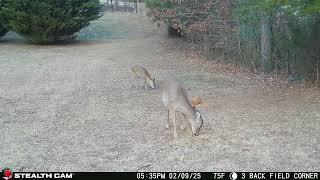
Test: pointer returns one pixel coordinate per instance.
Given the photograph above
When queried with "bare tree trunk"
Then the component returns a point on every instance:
(318, 75)
(117, 2)
(266, 36)
(111, 4)
(136, 5)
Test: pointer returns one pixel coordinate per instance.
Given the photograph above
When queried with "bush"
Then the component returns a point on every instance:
(47, 21)
(3, 30)
(173, 32)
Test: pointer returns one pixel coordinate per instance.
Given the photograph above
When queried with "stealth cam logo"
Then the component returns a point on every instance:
(6, 174)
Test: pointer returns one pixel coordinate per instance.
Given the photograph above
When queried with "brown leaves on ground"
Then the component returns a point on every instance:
(218, 65)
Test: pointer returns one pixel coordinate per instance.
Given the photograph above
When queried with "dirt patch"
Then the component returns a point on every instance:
(72, 108)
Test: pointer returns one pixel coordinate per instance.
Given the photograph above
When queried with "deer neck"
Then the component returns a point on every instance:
(190, 111)
(147, 76)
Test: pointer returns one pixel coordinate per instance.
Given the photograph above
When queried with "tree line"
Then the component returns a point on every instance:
(281, 36)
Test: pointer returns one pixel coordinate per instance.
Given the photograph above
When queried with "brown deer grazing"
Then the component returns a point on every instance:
(141, 72)
(175, 99)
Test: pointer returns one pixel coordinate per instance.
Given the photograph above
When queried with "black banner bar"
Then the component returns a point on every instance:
(168, 175)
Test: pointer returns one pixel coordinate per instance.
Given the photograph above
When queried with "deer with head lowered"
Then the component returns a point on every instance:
(141, 72)
(175, 99)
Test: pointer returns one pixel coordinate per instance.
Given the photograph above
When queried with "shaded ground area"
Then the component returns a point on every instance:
(72, 108)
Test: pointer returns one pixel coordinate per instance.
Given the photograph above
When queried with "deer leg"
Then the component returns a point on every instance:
(182, 123)
(132, 82)
(188, 127)
(174, 124)
(136, 83)
(168, 120)
(145, 84)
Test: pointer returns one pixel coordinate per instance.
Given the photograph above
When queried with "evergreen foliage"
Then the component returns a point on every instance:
(47, 21)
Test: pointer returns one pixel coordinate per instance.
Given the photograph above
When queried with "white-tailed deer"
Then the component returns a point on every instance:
(141, 72)
(175, 99)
